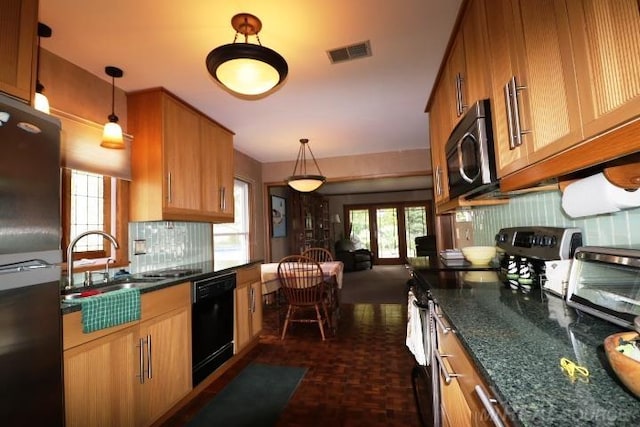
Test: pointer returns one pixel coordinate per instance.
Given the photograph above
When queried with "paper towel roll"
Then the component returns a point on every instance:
(596, 195)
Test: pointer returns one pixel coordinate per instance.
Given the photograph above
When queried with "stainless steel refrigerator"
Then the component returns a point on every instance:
(31, 379)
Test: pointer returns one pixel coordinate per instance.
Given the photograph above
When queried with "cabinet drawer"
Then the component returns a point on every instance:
(248, 274)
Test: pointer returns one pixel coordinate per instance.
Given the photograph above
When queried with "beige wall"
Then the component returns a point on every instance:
(393, 163)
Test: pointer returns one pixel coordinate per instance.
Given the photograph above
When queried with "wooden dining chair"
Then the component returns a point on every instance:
(318, 254)
(303, 286)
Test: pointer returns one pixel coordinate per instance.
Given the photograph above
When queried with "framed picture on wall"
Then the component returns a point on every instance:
(278, 216)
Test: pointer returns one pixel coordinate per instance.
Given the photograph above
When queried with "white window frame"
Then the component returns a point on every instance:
(223, 257)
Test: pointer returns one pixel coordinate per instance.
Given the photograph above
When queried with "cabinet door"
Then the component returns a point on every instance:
(606, 45)
(100, 380)
(439, 128)
(455, 409)
(217, 170)
(476, 80)
(181, 157)
(503, 66)
(455, 80)
(19, 23)
(243, 319)
(167, 367)
(531, 49)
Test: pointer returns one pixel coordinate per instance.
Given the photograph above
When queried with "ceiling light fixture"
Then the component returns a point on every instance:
(302, 181)
(112, 133)
(243, 68)
(40, 101)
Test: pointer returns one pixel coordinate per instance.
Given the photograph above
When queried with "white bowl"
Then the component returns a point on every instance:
(479, 255)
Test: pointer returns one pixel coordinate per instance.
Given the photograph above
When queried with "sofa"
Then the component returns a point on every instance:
(352, 258)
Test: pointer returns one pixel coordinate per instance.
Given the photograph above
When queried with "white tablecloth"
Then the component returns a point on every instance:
(270, 282)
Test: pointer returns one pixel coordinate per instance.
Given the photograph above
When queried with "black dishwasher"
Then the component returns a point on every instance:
(212, 324)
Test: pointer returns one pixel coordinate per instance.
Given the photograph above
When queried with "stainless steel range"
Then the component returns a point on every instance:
(529, 250)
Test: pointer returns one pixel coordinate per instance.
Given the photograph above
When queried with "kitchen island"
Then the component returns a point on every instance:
(516, 338)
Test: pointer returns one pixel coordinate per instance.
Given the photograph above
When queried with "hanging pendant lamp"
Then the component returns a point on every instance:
(112, 133)
(40, 101)
(302, 181)
(247, 69)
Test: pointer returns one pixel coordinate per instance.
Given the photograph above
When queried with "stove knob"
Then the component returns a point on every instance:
(536, 241)
(546, 241)
(553, 242)
(501, 237)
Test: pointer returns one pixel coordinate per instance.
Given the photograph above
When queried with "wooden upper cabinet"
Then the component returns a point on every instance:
(180, 159)
(181, 147)
(18, 44)
(477, 83)
(454, 80)
(440, 125)
(533, 81)
(217, 169)
(606, 44)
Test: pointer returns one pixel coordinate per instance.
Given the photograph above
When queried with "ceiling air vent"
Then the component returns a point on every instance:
(347, 53)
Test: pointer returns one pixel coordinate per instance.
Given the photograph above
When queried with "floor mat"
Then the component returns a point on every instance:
(256, 397)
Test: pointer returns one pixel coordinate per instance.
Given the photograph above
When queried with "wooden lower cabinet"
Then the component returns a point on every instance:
(460, 403)
(129, 375)
(99, 381)
(168, 372)
(248, 306)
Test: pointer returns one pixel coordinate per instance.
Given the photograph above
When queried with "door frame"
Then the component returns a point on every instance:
(402, 243)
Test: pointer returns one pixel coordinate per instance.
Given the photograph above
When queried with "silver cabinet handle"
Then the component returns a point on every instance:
(459, 96)
(508, 107)
(141, 360)
(438, 318)
(149, 372)
(169, 187)
(511, 90)
(253, 301)
(438, 184)
(488, 405)
(223, 199)
(443, 370)
(516, 111)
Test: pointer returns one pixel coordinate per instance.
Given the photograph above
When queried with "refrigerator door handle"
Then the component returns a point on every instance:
(31, 264)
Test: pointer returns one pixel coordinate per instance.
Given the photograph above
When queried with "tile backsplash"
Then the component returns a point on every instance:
(168, 244)
(544, 208)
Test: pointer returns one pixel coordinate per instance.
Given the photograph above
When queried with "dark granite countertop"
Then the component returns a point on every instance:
(517, 337)
(204, 270)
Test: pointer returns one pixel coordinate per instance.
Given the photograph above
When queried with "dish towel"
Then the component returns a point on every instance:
(110, 309)
(415, 337)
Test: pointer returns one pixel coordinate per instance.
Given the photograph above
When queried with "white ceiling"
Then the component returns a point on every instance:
(368, 105)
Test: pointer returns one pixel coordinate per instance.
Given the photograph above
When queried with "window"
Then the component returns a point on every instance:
(94, 202)
(231, 240)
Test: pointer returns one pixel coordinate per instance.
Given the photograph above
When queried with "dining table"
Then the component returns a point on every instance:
(331, 270)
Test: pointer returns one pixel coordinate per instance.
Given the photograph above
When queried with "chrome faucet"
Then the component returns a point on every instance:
(73, 244)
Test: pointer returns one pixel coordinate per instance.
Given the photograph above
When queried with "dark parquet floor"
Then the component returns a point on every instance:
(358, 377)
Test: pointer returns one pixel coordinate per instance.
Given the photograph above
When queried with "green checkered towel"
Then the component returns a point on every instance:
(110, 309)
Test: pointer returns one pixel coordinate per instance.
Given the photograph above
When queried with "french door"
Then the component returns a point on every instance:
(390, 229)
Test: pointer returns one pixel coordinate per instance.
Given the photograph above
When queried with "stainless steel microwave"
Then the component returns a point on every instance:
(605, 282)
(470, 155)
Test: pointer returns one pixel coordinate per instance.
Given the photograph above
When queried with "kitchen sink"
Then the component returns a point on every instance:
(116, 285)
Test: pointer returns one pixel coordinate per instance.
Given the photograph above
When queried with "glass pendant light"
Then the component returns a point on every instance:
(112, 133)
(40, 101)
